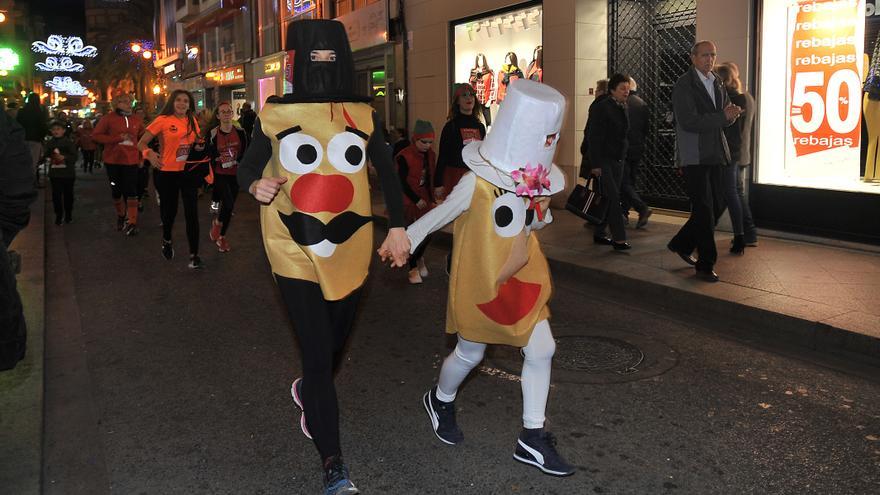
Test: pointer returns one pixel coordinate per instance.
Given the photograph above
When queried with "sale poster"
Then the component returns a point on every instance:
(824, 85)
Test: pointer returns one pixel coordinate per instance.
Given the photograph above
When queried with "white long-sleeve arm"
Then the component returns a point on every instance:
(454, 205)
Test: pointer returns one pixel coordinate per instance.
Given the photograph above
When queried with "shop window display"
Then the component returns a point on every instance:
(493, 51)
(818, 122)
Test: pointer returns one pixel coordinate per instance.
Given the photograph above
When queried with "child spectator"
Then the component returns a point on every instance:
(60, 152)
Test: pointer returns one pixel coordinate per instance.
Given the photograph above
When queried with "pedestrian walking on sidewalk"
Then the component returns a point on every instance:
(226, 144)
(86, 145)
(739, 139)
(60, 153)
(307, 166)
(33, 118)
(702, 110)
(462, 127)
(178, 132)
(639, 119)
(119, 132)
(500, 285)
(415, 167)
(608, 126)
(17, 192)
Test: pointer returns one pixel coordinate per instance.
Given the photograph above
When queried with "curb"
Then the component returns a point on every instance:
(728, 318)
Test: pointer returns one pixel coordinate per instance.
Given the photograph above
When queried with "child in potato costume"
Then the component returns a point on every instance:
(499, 281)
(307, 165)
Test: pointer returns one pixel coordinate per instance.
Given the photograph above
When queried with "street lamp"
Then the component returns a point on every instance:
(2, 17)
(135, 47)
(148, 54)
(156, 89)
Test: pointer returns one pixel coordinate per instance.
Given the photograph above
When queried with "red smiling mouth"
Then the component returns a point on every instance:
(514, 301)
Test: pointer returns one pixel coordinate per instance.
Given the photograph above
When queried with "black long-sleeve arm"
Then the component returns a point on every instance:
(256, 156)
(380, 154)
(448, 148)
(403, 173)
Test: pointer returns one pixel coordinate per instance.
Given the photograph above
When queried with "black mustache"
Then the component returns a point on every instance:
(307, 230)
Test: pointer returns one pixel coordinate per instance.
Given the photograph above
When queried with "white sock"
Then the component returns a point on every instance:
(466, 356)
(536, 374)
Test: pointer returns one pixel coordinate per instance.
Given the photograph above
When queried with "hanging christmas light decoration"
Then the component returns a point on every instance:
(72, 46)
(64, 64)
(67, 85)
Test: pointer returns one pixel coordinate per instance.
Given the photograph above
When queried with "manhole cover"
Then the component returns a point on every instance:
(586, 354)
(595, 354)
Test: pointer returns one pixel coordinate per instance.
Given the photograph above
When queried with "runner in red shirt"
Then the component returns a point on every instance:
(227, 144)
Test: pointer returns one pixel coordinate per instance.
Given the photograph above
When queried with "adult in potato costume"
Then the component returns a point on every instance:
(307, 165)
(499, 281)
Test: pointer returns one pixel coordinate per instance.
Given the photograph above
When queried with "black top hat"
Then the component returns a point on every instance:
(323, 66)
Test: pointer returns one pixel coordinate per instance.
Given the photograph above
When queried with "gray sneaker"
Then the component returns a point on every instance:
(336, 480)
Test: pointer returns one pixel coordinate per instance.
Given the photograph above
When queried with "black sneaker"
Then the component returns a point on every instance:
(120, 223)
(140, 206)
(195, 262)
(442, 416)
(538, 448)
(58, 220)
(167, 250)
(130, 229)
(336, 480)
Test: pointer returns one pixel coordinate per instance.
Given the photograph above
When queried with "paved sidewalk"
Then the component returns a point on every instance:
(817, 293)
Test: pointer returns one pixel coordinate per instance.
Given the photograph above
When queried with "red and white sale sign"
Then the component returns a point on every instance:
(826, 41)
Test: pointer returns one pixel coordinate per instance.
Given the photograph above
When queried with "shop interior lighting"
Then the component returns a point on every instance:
(4, 73)
(8, 59)
(156, 89)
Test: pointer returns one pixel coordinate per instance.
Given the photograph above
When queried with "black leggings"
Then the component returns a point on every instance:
(62, 197)
(143, 180)
(225, 191)
(123, 180)
(169, 185)
(322, 328)
(88, 160)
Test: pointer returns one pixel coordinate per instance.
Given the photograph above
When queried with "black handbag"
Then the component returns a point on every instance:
(587, 202)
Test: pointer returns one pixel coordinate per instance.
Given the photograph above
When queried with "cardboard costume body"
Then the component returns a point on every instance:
(318, 228)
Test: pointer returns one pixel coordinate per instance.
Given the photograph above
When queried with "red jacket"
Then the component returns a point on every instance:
(417, 179)
(84, 136)
(109, 132)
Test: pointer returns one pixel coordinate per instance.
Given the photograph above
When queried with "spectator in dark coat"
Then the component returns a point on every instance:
(247, 118)
(16, 195)
(33, 119)
(608, 126)
(601, 94)
(739, 139)
(637, 111)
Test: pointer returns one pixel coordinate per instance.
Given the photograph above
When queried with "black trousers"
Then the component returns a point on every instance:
(62, 197)
(88, 160)
(612, 175)
(13, 331)
(629, 197)
(172, 185)
(226, 191)
(322, 328)
(123, 180)
(704, 190)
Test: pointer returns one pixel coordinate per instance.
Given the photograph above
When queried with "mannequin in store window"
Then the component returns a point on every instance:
(535, 72)
(509, 72)
(871, 116)
(482, 78)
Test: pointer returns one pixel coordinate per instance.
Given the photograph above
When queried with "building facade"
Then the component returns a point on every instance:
(795, 185)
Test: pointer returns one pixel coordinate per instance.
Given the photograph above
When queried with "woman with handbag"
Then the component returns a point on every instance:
(179, 168)
(607, 129)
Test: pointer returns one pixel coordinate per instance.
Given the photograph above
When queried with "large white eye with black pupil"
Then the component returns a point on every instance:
(300, 153)
(346, 152)
(509, 214)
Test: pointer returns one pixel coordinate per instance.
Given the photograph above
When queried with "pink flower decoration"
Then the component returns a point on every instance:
(531, 181)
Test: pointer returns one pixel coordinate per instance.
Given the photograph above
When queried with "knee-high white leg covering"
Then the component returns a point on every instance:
(466, 356)
(536, 374)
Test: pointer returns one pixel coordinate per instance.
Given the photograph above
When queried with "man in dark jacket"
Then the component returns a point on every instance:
(33, 119)
(247, 118)
(702, 110)
(638, 113)
(16, 194)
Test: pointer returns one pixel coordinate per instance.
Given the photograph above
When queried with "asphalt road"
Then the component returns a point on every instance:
(161, 379)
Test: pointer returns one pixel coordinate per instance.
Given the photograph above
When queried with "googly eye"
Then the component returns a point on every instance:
(346, 152)
(300, 153)
(509, 213)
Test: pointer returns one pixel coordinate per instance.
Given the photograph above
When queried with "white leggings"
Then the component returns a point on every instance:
(535, 372)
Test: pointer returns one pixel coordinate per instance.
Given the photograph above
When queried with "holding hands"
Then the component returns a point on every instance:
(396, 247)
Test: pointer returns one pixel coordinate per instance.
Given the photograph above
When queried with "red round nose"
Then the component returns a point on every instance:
(313, 193)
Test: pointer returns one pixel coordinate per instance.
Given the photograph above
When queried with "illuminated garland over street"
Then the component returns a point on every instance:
(64, 64)
(64, 45)
(67, 85)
